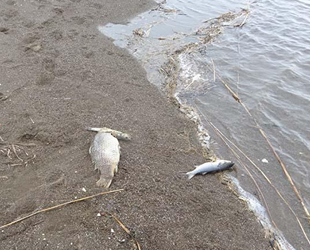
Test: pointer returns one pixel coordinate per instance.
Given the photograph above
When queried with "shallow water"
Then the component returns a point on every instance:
(266, 62)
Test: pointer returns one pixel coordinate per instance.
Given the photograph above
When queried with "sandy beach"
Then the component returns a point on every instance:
(59, 75)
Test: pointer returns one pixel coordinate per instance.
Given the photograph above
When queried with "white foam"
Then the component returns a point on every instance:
(260, 212)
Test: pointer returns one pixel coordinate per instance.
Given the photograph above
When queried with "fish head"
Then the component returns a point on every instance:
(121, 135)
(225, 164)
(125, 137)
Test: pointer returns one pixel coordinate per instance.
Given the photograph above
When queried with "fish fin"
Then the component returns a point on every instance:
(116, 169)
(190, 174)
(89, 151)
(196, 166)
(204, 173)
(104, 182)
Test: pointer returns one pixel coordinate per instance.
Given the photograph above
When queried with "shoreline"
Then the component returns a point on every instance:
(62, 75)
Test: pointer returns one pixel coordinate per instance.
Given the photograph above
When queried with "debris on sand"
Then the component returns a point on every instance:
(118, 134)
(130, 234)
(105, 153)
(16, 153)
(58, 206)
(33, 47)
(210, 167)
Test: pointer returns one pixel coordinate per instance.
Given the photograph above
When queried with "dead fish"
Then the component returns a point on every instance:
(118, 134)
(105, 155)
(209, 167)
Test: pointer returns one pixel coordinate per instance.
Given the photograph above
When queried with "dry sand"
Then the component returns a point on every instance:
(59, 75)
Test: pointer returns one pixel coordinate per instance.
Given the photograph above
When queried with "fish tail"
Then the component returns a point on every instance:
(190, 174)
(104, 182)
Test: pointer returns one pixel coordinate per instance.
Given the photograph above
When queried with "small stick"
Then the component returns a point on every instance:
(58, 206)
(8, 153)
(246, 168)
(118, 134)
(21, 148)
(243, 23)
(26, 144)
(222, 136)
(19, 144)
(213, 70)
(15, 152)
(189, 84)
(125, 229)
(15, 164)
(288, 176)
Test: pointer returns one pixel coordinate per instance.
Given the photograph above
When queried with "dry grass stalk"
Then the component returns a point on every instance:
(235, 96)
(214, 77)
(225, 140)
(125, 229)
(2, 142)
(268, 180)
(17, 152)
(58, 206)
(241, 163)
(244, 20)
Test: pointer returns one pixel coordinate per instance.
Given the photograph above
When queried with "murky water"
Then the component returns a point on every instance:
(262, 51)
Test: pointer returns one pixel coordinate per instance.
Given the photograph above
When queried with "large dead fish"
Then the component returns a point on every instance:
(210, 167)
(105, 155)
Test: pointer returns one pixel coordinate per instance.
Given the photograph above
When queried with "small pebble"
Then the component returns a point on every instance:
(264, 160)
(99, 214)
(84, 190)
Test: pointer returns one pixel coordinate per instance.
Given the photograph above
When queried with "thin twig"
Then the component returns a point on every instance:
(58, 206)
(223, 137)
(21, 148)
(15, 164)
(235, 96)
(125, 229)
(214, 78)
(15, 152)
(8, 153)
(245, 167)
(267, 179)
(243, 23)
(19, 144)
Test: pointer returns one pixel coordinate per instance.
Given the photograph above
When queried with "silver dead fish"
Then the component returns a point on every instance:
(209, 167)
(105, 155)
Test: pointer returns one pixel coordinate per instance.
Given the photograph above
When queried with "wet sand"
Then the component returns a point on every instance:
(59, 75)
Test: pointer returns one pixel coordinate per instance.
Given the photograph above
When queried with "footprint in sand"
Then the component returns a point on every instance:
(45, 78)
(57, 34)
